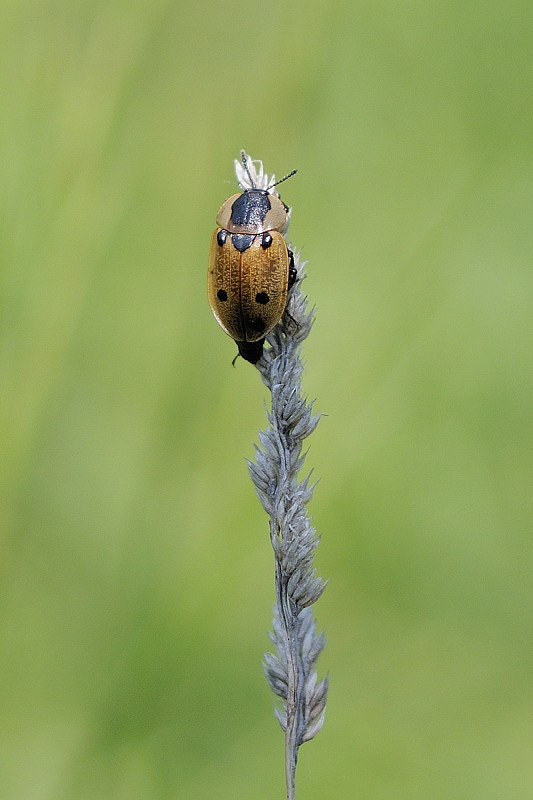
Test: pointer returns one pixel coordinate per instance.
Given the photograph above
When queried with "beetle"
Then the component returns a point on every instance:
(250, 268)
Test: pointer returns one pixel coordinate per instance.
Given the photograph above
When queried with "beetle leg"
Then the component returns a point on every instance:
(292, 270)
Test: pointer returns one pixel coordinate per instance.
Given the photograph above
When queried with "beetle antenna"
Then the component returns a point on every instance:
(245, 165)
(282, 179)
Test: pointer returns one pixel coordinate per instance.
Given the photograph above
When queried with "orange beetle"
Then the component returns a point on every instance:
(250, 266)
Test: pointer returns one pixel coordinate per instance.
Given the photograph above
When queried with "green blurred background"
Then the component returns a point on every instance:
(136, 574)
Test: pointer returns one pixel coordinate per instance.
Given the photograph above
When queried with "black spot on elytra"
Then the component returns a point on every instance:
(222, 235)
(222, 295)
(262, 297)
(256, 325)
(266, 241)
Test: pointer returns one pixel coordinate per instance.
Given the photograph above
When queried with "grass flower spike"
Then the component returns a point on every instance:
(278, 461)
